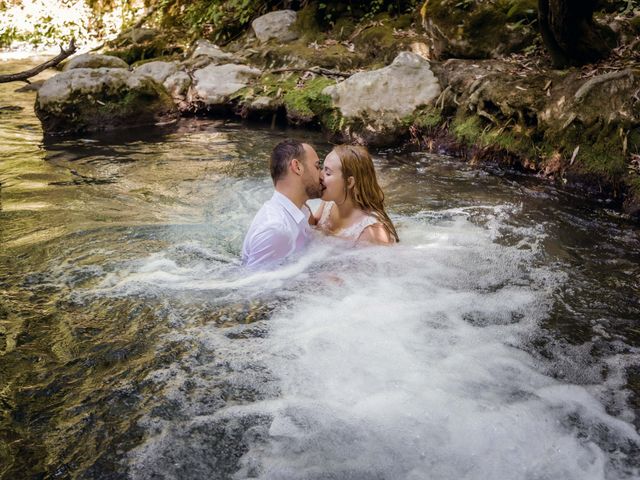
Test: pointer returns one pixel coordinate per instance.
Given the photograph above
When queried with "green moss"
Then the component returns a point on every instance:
(424, 118)
(601, 148)
(307, 102)
(467, 129)
(633, 183)
(633, 140)
(518, 143)
(304, 102)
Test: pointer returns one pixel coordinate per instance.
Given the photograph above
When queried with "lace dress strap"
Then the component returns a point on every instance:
(354, 231)
(350, 233)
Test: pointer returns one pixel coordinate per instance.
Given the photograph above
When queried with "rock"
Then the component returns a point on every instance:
(207, 49)
(205, 53)
(178, 84)
(477, 28)
(214, 84)
(141, 35)
(385, 96)
(175, 81)
(91, 60)
(275, 25)
(262, 103)
(159, 71)
(85, 100)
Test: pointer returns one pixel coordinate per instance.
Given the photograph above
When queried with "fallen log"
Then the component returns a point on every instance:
(24, 76)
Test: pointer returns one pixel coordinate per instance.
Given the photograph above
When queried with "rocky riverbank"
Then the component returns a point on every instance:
(384, 82)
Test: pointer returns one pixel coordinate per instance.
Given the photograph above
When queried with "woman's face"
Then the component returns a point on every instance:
(332, 179)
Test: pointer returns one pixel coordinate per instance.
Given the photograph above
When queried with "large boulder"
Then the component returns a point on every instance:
(381, 99)
(275, 25)
(477, 28)
(92, 60)
(85, 100)
(213, 85)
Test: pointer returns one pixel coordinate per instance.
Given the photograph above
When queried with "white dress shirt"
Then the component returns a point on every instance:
(278, 230)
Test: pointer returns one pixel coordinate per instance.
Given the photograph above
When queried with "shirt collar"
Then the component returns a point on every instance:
(297, 214)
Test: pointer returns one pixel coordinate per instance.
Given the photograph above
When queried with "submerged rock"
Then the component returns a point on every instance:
(85, 100)
(381, 99)
(213, 85)
(92, 60)
(275, 25)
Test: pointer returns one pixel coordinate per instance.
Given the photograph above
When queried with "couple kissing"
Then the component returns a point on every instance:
(352, 205)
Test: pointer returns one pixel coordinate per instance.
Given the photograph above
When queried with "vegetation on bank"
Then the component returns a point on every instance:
(523, 111)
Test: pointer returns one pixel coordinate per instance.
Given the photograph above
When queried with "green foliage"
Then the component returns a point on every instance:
(8, 35)
(218, 20)
(329, 12)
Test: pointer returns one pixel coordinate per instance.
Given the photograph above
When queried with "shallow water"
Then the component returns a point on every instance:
(499, 339)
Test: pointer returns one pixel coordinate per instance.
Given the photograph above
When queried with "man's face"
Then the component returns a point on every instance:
(311, 178)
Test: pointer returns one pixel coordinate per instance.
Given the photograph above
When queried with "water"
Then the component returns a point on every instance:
(499, 339)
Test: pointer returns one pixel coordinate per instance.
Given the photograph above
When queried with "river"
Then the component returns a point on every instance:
(499, 339)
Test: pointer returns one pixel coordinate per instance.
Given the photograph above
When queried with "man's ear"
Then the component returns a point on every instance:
(297, 167)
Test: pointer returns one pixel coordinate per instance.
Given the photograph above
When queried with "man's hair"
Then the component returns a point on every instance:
(282, 155)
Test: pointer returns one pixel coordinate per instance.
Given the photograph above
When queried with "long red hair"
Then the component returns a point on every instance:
(366, 192)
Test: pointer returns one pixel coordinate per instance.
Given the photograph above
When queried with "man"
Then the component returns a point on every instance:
(281, 226)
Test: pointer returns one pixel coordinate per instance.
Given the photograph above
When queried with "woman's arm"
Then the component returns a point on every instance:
(375, 234)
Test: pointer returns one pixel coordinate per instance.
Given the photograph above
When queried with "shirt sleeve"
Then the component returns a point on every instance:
(268, 246)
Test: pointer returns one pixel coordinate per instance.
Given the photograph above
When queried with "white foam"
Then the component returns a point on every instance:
(393, 363)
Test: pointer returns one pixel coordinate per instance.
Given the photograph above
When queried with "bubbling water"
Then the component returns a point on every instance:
(404, 362)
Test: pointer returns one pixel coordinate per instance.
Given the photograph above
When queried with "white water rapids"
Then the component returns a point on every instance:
(404, 362)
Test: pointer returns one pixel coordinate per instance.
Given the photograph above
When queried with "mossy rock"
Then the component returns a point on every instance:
(89, 100)
(302, 101)
(479, 29)
(132, 48)
(305, 103)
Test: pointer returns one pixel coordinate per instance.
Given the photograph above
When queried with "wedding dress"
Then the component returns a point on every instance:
(352, 232)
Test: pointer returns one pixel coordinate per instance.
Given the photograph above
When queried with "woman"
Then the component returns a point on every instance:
(352, 206)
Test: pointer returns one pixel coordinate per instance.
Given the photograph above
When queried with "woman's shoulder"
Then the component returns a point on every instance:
(375, 232)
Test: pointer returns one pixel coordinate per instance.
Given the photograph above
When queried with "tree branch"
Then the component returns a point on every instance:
(24, 76)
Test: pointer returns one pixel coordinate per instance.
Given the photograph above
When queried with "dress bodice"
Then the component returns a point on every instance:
(352, 232)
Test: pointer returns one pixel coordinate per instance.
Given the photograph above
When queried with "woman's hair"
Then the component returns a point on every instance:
(366, 193)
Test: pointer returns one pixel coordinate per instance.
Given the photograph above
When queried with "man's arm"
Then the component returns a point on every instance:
(268, 246)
